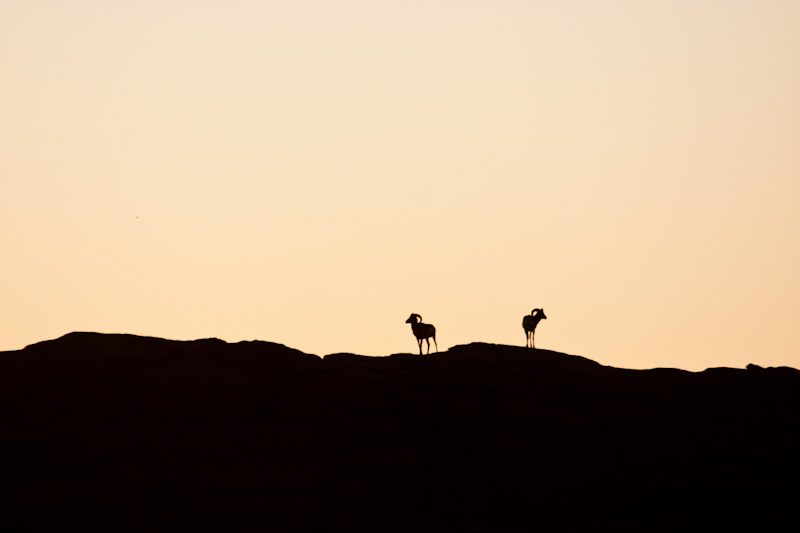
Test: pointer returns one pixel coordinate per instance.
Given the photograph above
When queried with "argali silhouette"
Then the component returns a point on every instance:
(529, 323)
(422, 332)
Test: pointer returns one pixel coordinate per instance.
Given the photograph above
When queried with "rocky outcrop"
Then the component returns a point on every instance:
(125, 432)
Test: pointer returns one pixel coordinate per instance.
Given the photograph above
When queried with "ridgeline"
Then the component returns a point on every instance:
(119, 432)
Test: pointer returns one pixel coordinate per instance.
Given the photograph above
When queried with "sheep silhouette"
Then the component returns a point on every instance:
(529, 323)
(422, 332)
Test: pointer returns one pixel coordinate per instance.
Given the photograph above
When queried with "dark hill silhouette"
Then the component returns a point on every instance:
(115, 432)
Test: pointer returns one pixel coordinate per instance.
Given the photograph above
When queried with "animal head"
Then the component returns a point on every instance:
(413, 319)
(540, 313)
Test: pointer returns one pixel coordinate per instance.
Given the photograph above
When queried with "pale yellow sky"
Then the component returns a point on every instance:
(312, 172)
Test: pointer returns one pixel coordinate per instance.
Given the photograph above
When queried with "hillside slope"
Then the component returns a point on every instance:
(126, 432)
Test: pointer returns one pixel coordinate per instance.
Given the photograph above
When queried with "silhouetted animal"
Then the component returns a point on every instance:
(529, 323)
(422, 332)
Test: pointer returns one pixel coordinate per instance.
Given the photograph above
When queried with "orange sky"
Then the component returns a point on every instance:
(312, 172)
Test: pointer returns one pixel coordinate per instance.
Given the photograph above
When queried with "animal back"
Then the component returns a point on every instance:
(423, 331)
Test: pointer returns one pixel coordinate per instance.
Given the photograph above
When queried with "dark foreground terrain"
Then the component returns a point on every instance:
(117, 432)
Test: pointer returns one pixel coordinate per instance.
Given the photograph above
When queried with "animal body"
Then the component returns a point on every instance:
(529, 323)
(423, 332)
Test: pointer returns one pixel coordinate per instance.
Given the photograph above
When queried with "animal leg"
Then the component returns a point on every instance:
(429, 346)
(435, 344)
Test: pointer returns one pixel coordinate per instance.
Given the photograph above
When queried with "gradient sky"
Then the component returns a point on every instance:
(312, 172)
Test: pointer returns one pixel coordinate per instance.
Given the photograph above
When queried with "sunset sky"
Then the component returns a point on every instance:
(312, 172)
